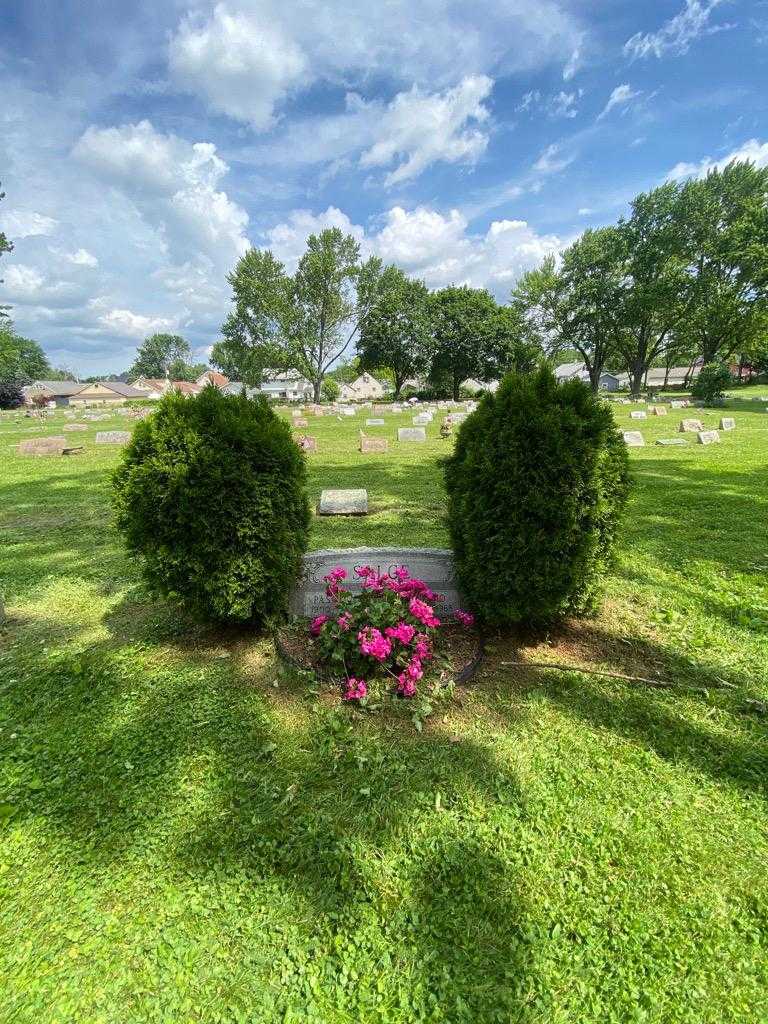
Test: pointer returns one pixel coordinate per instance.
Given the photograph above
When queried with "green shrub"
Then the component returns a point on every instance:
(211, 492)
(711, 383)
(536, 486)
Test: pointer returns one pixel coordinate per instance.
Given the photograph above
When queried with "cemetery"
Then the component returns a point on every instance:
(384, 513)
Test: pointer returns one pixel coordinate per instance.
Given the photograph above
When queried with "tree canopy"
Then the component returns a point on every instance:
(158, 354)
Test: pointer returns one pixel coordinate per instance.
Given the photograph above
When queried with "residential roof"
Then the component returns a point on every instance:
(185, 388)
(56, 387)
(569, 370)
(153, 383)
(219, 380)
(126, 390)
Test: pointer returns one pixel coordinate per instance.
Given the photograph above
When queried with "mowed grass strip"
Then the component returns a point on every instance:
(188, 835)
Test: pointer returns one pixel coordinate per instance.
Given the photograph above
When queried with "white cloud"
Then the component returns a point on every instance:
(421, 128)
(677, 34)
(553, 160)
(174, 184)
(27, 223)
(124, 322)
(561, 104)
(585, 211)
(430, 245)
(573, 63)
(82, 258)
(242, 64)
(620, 96)
(245, 58)
(752, 150)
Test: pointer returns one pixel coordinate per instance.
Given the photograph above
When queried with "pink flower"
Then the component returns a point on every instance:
(423, 612)
(344, 621)
(414, 670)
(405, 686)
(467, 619)
(355, 689)
(374, 644)
(332, 579)
(317, 624)
(401, 573)
(423, 648)
(402, 632)
(365, 571)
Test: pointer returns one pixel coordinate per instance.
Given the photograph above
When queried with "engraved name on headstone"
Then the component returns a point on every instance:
(411, 434)
(633, 439)
(727, 423)
(708, 436)
(433, 565)
(638, 414)
(690, 426)
(113, 437)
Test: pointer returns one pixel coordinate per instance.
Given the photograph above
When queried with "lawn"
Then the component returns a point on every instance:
(189, 835)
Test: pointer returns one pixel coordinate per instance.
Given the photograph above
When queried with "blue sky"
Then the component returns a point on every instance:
(146, 146)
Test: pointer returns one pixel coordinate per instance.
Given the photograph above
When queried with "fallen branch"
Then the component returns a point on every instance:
(661, 683)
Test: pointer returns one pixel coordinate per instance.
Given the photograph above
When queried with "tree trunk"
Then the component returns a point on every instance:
(595, 373)
(316, 385)
(636, 374)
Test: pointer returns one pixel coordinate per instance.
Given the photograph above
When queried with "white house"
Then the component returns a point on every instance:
(287, 386)
(365, 389)
(578, 371)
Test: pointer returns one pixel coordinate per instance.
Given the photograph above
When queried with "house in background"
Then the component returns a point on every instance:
(236, 387)
(659, 377)
(365, 389)
(58, 391)
(104, 392)
(155, 387)
(218, 380)
(578, 371)
(286, 386)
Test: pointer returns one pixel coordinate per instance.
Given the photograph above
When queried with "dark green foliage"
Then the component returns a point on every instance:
(536, 486)
(711, 383)
(11, 395)
(211, 492)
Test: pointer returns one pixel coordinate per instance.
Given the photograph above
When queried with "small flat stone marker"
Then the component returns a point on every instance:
(75, 426)
(708, 436)
(299, 421)
(633, 439)
(676, 404)
(374, 423)
(113, 437)
(690, 426)
(344, 503)
(726, 423)
(669, 442)
(422, 419)
(43, 446)
(638, 414)
(659, 410)
(411, 434)
(373, 444)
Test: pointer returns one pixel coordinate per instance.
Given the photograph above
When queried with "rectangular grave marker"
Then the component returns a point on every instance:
(411, 434)
(308, 443)
(659, 410)
(343, 503)
(75, 426)
(299, 421)
(43, 446)
(422, 420)
(727, 423)
(671, 441)
(633, 439)
(708, 436)
(638, 414)
(374, 423)
(690, 426)
(433, 565)
(373, 444)
(113, 437)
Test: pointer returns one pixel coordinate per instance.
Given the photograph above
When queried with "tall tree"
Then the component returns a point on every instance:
(726, 218)
(396, 333)
(21, 359)
(303, 321)
(5, 246)
(157, 354)
(469, 333)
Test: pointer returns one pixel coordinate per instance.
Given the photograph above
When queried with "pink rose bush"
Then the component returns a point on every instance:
(386, 632)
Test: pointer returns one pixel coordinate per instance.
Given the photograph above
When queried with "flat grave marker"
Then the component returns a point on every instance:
(633, 439)
(727, 423)
(43, 446)
(353, 502)
(299, 421)
(373, 444)
(374, 423)
(113, 437)
(669, 442)
(638, 414)
(75, 426)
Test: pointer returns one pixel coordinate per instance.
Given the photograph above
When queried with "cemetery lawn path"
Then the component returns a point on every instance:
(188, 835)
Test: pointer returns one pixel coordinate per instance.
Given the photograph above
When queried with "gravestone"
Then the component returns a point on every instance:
(659, 410)
(638, 414)
(299, 421)
(343, 503)
(373, 444)
(348, 412)
(671, 441)
(411, 434)
(374, 423)
(308, 443)
(422, 420)
(43, 446)
(433, 565)
(676, 404)
(690, 426)
(727, 423)
(708, 436)
(633, 439)
(122, 411)
(113, 437)
(75, 426)
(69, 415)
(379, 410)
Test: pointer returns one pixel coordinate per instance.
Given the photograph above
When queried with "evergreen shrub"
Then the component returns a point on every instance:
(536, 487)
(211, 492)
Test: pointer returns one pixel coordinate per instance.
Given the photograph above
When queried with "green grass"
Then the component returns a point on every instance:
(188, 836)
